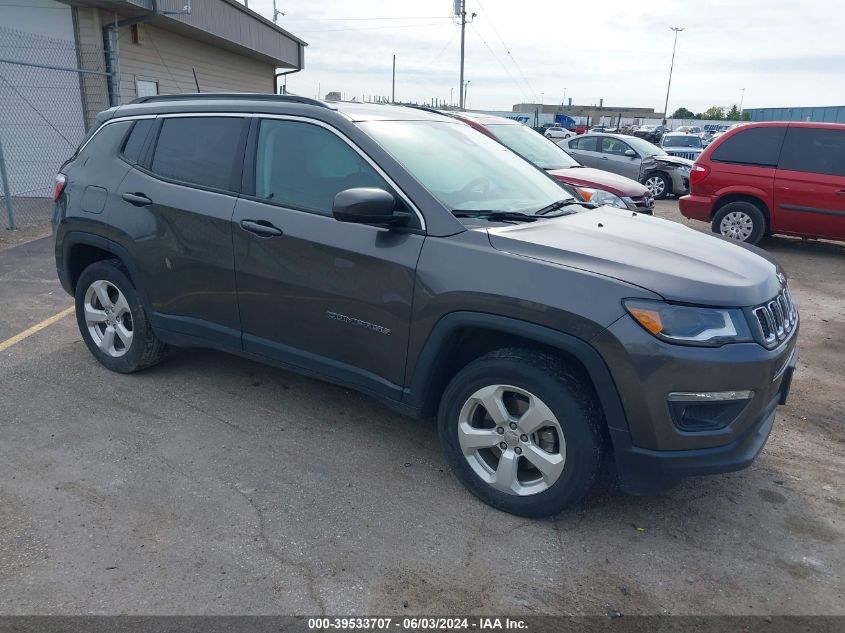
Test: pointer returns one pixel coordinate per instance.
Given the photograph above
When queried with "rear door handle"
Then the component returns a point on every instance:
(841, 192)
(260, 227)
(138, 199)
(603, 158)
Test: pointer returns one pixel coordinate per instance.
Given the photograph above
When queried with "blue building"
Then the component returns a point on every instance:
(826, 114)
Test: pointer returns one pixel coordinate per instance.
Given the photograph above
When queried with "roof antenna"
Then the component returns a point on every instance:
(196, 81)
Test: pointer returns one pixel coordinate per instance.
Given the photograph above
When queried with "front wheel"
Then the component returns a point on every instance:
(658, 185)
(522, 431)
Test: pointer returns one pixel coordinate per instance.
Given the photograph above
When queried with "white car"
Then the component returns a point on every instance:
(558, 132)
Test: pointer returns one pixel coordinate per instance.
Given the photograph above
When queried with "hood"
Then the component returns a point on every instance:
(667, 258)
(589, 177)
(672, 160)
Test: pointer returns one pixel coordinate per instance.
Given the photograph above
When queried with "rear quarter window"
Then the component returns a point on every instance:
(134, 143)
(755, 146)
(817, 151)
(106, 139)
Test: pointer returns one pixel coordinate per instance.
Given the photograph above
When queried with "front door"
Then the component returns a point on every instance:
(326, 296)
(810, 183)
(614, 159)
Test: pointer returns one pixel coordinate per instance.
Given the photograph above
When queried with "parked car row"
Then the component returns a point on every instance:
(401, 253)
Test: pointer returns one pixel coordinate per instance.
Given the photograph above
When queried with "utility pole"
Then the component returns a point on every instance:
(671, 66)
(461, 9)
(393, 89)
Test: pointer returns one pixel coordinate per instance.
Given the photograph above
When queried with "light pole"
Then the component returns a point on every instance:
(466, 89)
(564, 96)
(671, 66)
(741, 101)
(451, 100)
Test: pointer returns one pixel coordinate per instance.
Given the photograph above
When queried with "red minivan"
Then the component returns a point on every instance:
(774, 177)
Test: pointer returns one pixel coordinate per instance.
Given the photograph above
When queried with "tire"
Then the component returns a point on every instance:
(658, 185)
(112, 320)
(558, 425)
(741, 220)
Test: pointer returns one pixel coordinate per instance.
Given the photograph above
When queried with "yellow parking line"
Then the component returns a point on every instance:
(17, 338)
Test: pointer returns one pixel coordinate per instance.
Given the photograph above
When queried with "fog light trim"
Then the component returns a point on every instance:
(710, 396)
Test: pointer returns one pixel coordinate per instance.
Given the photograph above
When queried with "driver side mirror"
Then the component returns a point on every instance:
(630, 153)
(368, 205)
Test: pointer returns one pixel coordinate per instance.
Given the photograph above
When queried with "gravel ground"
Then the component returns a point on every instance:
(214, 485)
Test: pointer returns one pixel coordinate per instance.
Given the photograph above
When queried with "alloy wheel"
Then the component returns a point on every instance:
(655, 185)
(737, 225)
(512, 440)
(108, 318)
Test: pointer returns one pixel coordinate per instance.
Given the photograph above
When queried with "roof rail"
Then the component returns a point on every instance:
(243, 96)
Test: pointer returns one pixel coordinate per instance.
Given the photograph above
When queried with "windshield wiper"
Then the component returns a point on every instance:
(491, 214)
(550, 209)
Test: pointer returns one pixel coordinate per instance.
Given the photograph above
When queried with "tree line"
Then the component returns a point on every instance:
(713, 113)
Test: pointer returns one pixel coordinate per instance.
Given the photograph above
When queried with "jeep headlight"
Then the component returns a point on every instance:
(690, 325)
(601, 197)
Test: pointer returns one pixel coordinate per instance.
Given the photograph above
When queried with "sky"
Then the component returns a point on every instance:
(782, 52)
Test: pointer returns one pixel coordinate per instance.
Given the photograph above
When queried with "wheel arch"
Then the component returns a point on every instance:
(460, 337)
(81, 249)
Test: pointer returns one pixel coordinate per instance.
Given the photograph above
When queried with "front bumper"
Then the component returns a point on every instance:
(650, 449)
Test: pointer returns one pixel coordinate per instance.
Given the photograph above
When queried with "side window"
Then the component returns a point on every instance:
(106, 139)
(586, 143)
(135, 141)
(755, 146)
(200, 150)
(814, 150)
(304, 166)
(613, 146)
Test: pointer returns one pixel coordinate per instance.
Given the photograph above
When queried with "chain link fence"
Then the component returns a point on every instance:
(50, 92)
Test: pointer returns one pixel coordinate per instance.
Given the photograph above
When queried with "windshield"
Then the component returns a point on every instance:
(644, 148)
(463, 168)
(533, 147)
(681, 141)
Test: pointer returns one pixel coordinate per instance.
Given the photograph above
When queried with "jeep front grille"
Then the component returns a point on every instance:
(776, 319)
(687, 155)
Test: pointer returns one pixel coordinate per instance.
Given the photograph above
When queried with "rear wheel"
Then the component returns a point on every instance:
(740, 220)
(522, 432)
(112, 320)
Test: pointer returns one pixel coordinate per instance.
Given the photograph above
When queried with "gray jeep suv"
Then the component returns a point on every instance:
(404, 254)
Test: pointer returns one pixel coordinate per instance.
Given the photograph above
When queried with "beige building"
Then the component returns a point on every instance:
(63, 61)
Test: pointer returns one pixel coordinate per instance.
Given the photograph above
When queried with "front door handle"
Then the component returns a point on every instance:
(603, 158)
(260, 227)
(138, 199)
(841, 192)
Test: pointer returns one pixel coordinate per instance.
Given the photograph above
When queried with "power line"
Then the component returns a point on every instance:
(507, 50)
(375, 28)
(430, 17)
(500, 62)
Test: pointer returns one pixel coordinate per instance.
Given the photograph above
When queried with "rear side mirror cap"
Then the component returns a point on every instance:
(368, 205)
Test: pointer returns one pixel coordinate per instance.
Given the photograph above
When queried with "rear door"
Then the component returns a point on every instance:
(613, 158)
(175, 220)
(810, 183)
(585, 150)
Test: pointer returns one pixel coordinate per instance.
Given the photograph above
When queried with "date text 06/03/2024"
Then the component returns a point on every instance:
(420, 623)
